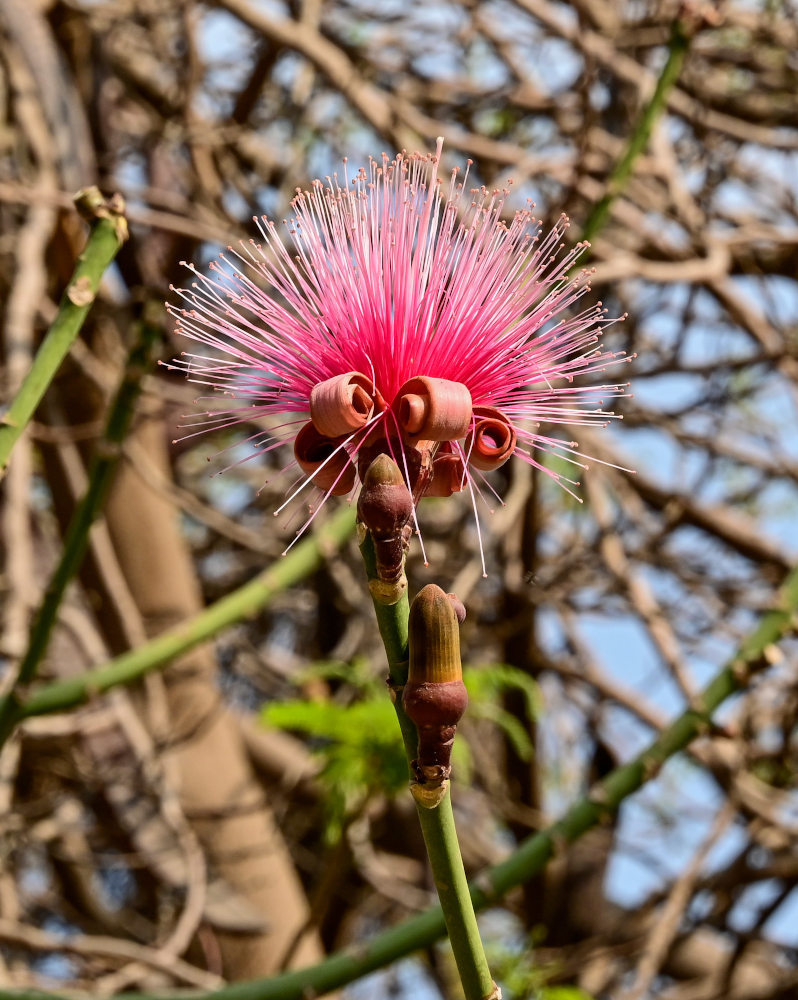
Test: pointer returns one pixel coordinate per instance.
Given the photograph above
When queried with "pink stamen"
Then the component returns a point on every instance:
(396, 275)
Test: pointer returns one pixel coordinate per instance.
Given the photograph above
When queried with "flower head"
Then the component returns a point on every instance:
(403, 317)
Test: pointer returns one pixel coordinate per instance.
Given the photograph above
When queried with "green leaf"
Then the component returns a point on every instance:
(357, 674)
(359, 743)
(487, 685)
(360, 747)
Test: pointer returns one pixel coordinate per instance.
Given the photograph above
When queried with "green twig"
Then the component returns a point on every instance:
(108, 233)
(437, 824)
(459, 914)
(392, 621)
(242, 603)
(755, 654)
(677, 50)
(76, 540)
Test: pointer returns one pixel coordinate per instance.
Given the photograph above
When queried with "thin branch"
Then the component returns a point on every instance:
(241, 603)
(111, 948)
(90, 506)
(677, 50)
(108, 233)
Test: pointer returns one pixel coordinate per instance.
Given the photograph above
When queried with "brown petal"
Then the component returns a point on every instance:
(342, 404)
(433, 408)
(448, 475)
(312, 449)
(492, 440)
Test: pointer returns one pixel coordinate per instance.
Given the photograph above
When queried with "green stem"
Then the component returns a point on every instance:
(242, 603)
(677, 51)
(392, 621)
(459, 915)
(101, 474)
(437, 825)
(108, 233)
(755, 654)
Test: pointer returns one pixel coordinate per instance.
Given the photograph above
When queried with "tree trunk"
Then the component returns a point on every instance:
(217, 787)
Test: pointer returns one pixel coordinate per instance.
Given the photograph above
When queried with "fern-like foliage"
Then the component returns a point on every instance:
(357, 737)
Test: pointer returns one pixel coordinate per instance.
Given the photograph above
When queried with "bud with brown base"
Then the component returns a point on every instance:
(434, 697)
(385, 507)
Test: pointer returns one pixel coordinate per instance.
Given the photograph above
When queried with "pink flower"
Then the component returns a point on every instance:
(401, 318)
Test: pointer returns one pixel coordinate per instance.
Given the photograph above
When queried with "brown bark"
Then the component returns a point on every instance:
(217, 788)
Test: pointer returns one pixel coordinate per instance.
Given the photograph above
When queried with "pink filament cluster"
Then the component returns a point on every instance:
(396, 275)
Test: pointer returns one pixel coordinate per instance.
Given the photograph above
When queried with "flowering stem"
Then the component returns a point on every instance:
(440, 838)
(677, 50)
(108, 233)
(437, 824)
(755, 654)
(129, 667)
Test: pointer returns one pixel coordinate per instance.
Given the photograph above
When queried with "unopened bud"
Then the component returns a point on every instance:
(415, 460)
(434, 697)
(385, 505)
(385, 508)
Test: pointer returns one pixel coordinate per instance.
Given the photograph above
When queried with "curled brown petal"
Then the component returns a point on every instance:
(312, 449)
(492, 440)
(343, 404)
(448, 475)
(435, 409)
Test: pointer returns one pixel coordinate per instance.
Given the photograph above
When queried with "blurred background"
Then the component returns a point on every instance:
(240, 812)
